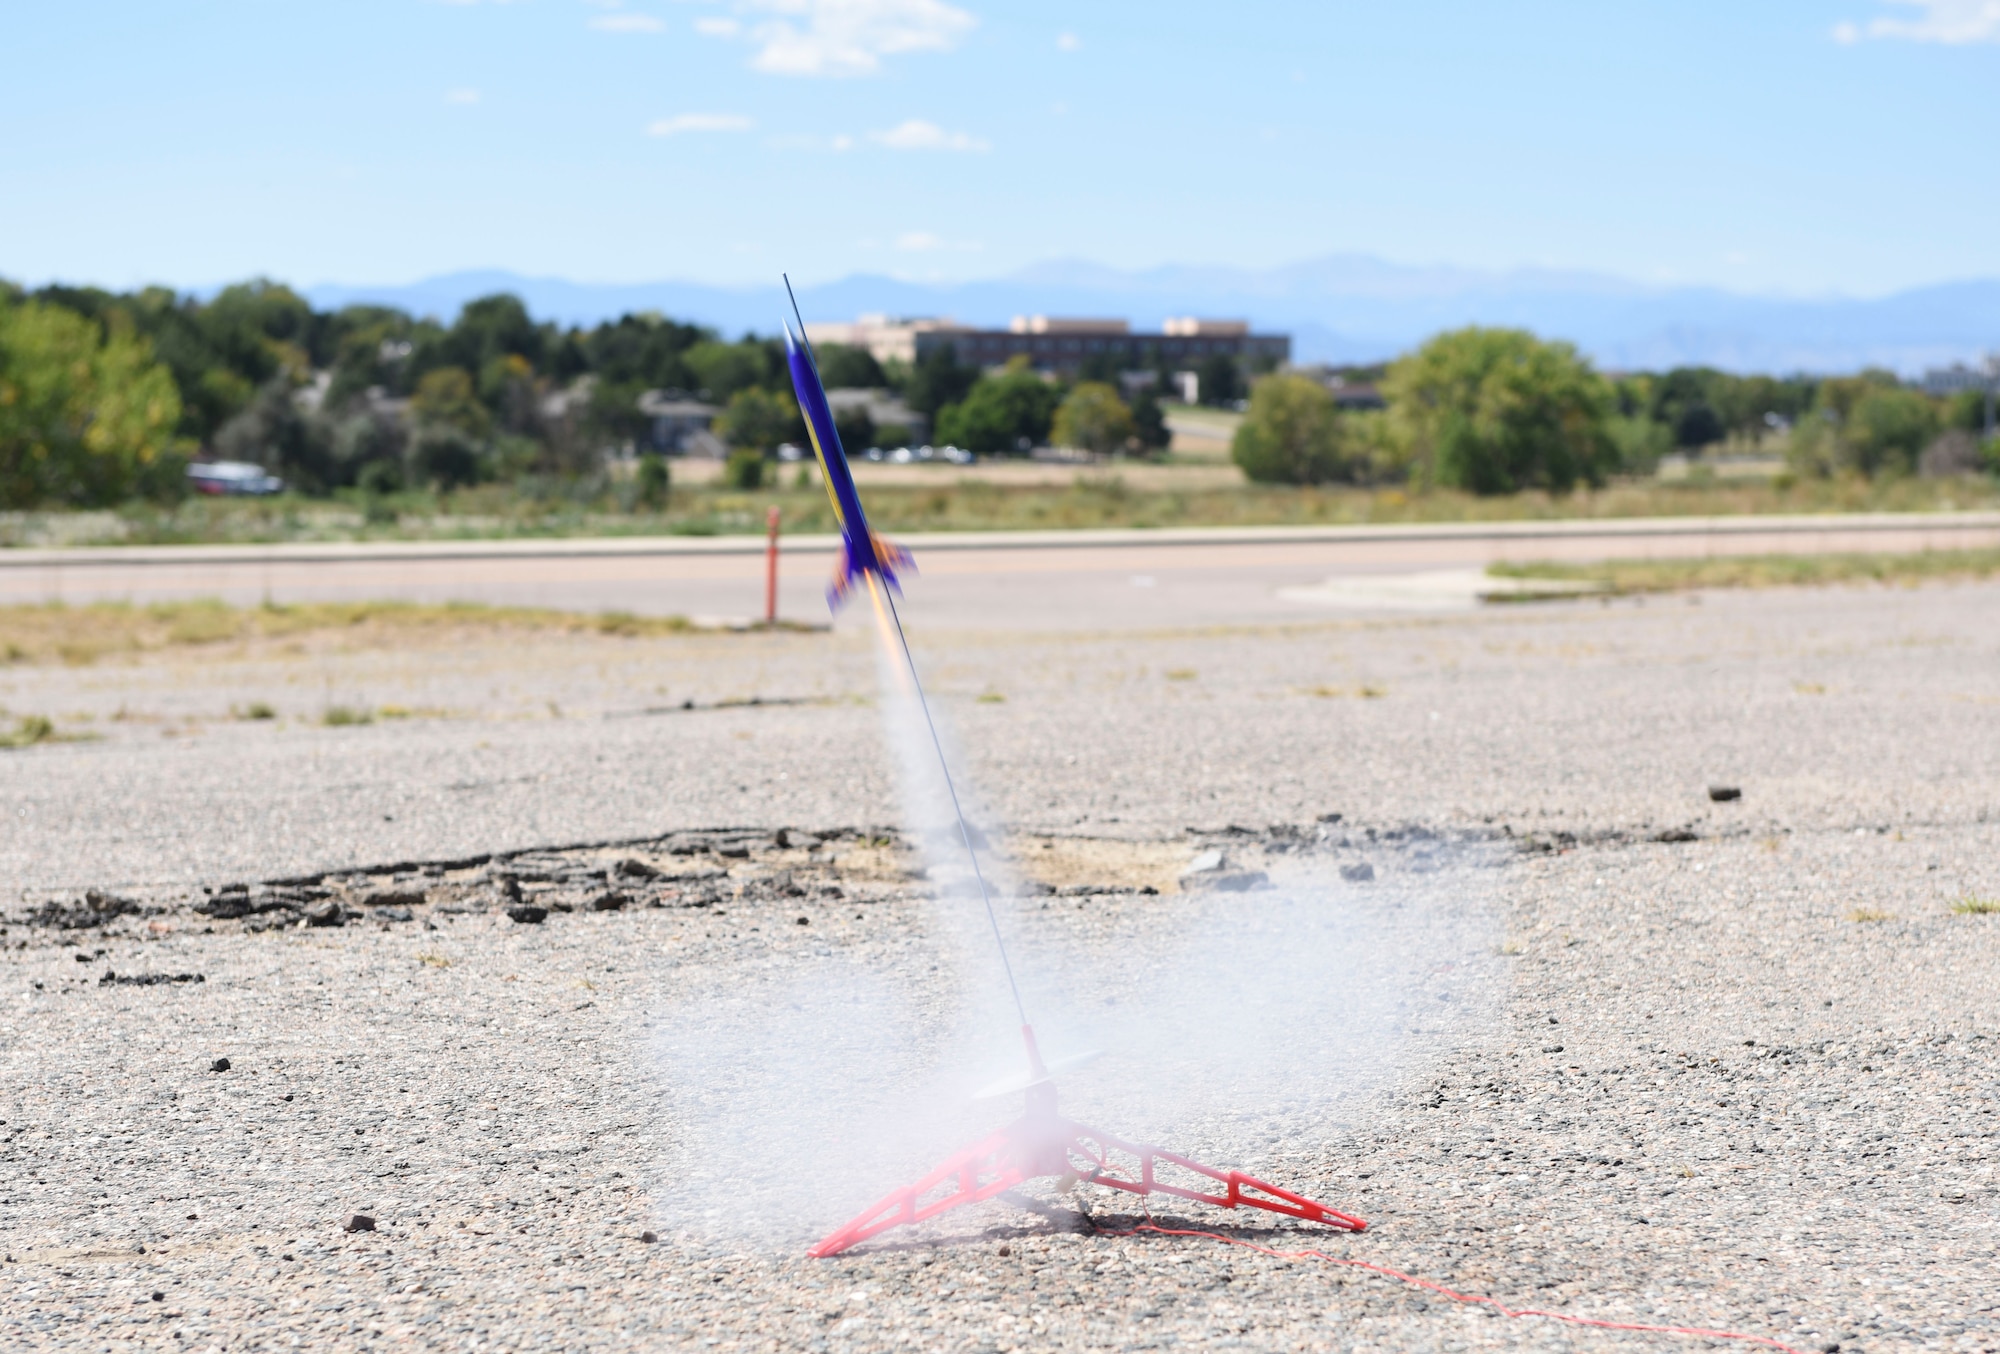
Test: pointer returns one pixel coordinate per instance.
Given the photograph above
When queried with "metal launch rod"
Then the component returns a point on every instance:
(887, 616)
(891, 622)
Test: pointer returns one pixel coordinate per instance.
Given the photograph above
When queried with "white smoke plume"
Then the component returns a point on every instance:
(1244, 1028)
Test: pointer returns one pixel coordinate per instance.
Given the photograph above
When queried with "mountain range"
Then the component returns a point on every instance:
(1340, 308)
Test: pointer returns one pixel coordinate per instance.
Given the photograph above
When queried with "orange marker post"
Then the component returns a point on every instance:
(771, 569)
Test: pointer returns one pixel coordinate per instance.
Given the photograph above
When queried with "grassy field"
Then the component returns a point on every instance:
(1759, 571)
(1005, 498)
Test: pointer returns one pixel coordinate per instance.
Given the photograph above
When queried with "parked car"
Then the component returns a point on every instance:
(959, 456)
(232, 477)
(791, 451)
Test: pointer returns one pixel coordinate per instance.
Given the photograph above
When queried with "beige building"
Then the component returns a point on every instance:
(1187, 326)
(885, 339)
(1043, 324)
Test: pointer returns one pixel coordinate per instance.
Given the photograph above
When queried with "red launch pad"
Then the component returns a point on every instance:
(1042, 1144)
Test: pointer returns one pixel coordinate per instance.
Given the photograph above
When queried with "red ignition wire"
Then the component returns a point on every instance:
(1439, 1288)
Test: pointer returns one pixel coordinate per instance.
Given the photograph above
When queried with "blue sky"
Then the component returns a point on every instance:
(1800, 146)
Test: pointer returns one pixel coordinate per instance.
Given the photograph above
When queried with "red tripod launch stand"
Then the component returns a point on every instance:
(1042, 1143)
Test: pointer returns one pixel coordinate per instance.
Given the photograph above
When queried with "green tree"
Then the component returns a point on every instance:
(937, 379)
(272, 431)
(1001, 415)
(86, 414)
(1218, 380)
(756, 420)
(1498, 410)
(1092, 417)
(444, 456)
(613, 417)
(363, 441)
(844, 367)
(1149, 422)
(1691, 402)
(1888, 429)
(1967, 410)
(726, 368)
(490, 329)
(1640, 441)
(644, 351)
(445, 399)
(1292, 433)
(261, 328)
(508, 387)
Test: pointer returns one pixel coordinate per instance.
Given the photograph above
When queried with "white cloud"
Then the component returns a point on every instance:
(627, 23)
(700, 122)
(916, 134)
(841, 37)
(1068, 42)
(461, 96)
(1952, 22)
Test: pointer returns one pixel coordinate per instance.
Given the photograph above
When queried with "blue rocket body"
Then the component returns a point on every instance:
(862, 552)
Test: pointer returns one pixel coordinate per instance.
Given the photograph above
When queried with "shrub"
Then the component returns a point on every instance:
(744, 469)
(1094, 418)
(1640, 442)
(1291, 435)
(381, 477)
(446, 458)
(1888, 429)
(654, 479)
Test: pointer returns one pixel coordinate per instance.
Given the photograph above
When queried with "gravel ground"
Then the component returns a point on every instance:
(1718, 1064)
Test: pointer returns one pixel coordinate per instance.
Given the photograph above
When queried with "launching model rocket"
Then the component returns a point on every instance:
(862, 552)
(1041, 1143)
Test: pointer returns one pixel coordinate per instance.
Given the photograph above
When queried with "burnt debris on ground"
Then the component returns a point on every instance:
(713, 867)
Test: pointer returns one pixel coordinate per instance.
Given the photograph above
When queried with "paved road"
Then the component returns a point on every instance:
(1054, 580)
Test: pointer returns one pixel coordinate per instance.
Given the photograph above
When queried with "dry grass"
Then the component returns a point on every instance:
(1761, 571)
(55, 633)
(30, 730)
(997, 497)
(1977, 907)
